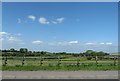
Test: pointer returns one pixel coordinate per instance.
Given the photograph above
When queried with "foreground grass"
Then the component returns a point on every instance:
(61, 68)
(66, 64)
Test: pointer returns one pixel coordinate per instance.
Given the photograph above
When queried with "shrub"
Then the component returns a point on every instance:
(17, 65)
(89, 58)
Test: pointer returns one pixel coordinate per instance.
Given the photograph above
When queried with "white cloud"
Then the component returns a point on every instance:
(37, 42)
(89, 43)
(70, 43)
(64, 43)
(10, 38)
(58, 43)
(73, 42)
(54, 22)
(52, 43)
(32, 17)
(3, 33)
(19, 20)
(60, 20)
(13, 39)
(102, 43)
(96, 43)
(108, 43)
(43, 20)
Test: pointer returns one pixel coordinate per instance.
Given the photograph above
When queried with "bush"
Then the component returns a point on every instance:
(89, 58)
(17, 65)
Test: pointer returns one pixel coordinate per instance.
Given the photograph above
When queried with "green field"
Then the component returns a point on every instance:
(69, 63)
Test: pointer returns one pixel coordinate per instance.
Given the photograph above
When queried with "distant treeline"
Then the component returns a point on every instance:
(26, 52)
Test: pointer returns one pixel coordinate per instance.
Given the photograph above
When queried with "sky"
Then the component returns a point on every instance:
(60, 26)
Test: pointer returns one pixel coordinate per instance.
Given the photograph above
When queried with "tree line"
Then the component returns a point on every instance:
(25, 51)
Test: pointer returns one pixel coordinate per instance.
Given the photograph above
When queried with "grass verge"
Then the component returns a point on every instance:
(61, 68)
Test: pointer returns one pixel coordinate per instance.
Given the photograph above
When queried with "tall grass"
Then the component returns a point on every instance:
(63, 68)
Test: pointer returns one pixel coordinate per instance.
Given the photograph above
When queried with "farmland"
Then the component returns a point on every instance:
(59, 61)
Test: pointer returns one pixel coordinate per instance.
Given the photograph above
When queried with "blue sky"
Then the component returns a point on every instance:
(58, 27)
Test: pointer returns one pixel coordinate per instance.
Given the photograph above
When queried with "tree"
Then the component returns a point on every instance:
(101, 55)
(12, 50)
(30, 52)
(89, 52)
(23, 50)
(81, 54)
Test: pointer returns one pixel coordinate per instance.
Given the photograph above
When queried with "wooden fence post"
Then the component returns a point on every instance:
(96, 59)
(114, 60)
(23, 59)
(5, 62)
(41, 61)
(78, 59)
(58, 61)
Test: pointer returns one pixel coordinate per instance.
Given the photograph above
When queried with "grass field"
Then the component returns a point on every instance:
(71, 63)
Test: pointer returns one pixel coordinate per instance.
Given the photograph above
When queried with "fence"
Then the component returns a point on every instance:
(57, 60)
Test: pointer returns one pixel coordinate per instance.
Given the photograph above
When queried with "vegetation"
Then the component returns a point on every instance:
(22, 51)
(63, 68)
(23, 59)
